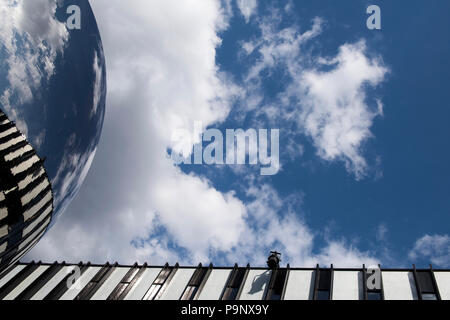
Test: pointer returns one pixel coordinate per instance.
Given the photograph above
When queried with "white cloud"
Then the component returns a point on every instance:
(329, 106)
(381, 232)
(436, 248)
(247, 8)
(162, 76)
(334, 109)
(33, 23)
(98, 72)
(135, 204)
(71, 174)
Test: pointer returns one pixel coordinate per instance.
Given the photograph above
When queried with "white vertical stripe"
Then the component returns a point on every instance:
(8, 132)
(30, 178)
(34, 209)
(255, 285)
(110, 284)
(32, 225)
(141, 286)
(18, 153)
(3, 231)
(52, 283)
(2, 196)
(76, 288)
(300, 285)
(347, 285)
(3, 247)
(215, 284)
(399, 285)
(11, 274)
(33, 193)
(11, 142)
(179, 282)
(24, 165)
(25, 283)
(3, 213)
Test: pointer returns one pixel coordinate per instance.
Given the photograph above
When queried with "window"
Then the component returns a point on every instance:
(429, 296)
(163, 279)
(234, 283)
(125, 285)
(91, 288)
(276, 284)
(426, 284)
(374, 295)
(323, 283)
(323, 295)
(37, 284)
(199, 276)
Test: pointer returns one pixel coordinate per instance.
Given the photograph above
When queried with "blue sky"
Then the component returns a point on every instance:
(406, 189)
(375, 190)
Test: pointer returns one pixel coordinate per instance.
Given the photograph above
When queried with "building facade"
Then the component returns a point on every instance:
(26, 198)
(61, 281)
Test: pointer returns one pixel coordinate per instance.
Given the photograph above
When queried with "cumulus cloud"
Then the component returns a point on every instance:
(136, 205)
(326, 97)
(435, 248)
(162, 76)
(247, 8)
(334, 110)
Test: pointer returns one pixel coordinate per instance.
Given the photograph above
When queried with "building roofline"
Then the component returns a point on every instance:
(231, 267)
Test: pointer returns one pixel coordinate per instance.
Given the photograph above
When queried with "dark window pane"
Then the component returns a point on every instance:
(118, 291)
(324, 280)
(189, 293)
(100, 274)
(425, 281)
(373, 295)
(230, 294)
(274, 296)
(429, 296)
(198, 276)
(236, 278)
(152, 292)
(130, 275)
(323, 295)
(162, 276)
(276, 284)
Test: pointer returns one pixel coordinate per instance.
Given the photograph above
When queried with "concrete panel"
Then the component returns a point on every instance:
(399, 285)
(110, 284)
(143, 284)
(255, 285)
(347, 285)
(215, 285)
(300, 285)
(179, 282)
(443, 283)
